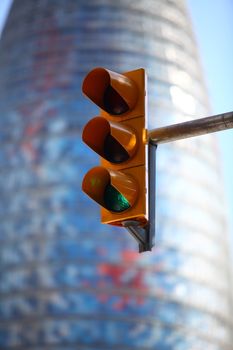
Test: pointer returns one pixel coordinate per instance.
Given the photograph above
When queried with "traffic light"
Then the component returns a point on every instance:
(119, 136)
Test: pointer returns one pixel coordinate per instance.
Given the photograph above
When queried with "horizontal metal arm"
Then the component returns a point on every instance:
(191, 128)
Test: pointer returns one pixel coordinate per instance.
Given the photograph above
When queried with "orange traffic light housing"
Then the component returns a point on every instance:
(118, 136)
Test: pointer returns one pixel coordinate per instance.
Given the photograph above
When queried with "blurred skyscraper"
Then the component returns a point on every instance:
(68, 282)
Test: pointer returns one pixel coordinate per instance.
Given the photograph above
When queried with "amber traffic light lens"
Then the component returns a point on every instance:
(114, 200)
(113, 102)
(113, 150)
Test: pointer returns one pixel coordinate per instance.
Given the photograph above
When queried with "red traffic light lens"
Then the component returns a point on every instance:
(113, 102)
(115, 93)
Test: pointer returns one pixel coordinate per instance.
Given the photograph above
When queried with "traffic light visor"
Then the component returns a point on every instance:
(115, 93)
(114, 142)
(113, 190)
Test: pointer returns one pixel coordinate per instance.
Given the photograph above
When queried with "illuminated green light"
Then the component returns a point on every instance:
(114, 200)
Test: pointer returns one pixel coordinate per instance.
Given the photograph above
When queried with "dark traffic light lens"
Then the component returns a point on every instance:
(113, 102)
(114, 200)
(113, 150)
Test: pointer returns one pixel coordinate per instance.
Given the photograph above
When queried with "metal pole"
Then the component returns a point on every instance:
(191, 128)
(152, 195)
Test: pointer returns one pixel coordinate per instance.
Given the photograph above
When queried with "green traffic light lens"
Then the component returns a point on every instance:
(113, 150)
(113, 102)
(114, 200)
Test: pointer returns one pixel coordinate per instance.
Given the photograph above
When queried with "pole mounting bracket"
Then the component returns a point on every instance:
(146, 235)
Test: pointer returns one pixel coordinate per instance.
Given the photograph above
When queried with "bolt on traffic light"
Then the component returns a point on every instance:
(118, 136)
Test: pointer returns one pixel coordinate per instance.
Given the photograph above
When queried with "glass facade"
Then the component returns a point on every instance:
(66, 281)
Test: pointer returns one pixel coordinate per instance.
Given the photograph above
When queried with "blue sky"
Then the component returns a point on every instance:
(213, 27)
(4, 7)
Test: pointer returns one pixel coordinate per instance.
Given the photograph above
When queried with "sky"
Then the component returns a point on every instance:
(4, 8)
(213, 28)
